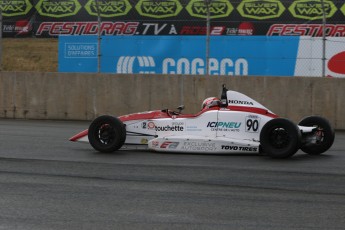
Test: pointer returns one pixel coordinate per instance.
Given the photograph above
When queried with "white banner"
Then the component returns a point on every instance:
(309, 57)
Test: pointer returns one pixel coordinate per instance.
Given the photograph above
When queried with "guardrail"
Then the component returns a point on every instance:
(29, 95)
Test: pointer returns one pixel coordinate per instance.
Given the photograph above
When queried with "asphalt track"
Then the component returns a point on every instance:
(47, 182)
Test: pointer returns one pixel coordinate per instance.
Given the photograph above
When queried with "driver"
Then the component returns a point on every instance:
(210, 102)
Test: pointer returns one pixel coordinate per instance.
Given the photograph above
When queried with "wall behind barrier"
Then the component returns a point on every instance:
(85, 96)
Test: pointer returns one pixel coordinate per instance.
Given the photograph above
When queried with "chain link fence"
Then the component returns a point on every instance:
(318, 24)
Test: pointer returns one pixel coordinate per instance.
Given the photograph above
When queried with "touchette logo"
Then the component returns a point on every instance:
(159, 9)
(312, 9)
(58, 8)
(261, 9)
(15, 7)
(108, 8)
(217, 8)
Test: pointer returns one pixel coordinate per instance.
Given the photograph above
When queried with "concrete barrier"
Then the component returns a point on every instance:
(85, 96)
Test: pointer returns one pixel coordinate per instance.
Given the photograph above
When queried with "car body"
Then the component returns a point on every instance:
(238, 124)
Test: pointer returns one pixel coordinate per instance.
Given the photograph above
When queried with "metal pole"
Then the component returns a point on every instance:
(0, 40)
(98, 37)
(208, 37)
(323, 39)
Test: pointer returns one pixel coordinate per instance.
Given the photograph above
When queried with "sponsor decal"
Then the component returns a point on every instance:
(81, 50)
(108, 8)
(217, 8)
(87, 28)
(168, 128)
(169, 145)
(252, 124)
(156, 29)
(202, 30)
(224, 126)
(155, 144)
(144, 141)
(193, 128)
(12, 8)
(261, 9)
(244, 29)
(21, 27)
(238, 102)
(312, 9)
(146, 64)
(198, 146)
(342, 9)
(314, 30)
(221, 124)
(58, 8)
(125, 64)
(239, 148)
(158, 9)
(336, 65)
(148, 125)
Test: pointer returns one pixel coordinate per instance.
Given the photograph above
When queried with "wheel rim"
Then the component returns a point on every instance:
(318, 136)
(105, 134)
(279, 138)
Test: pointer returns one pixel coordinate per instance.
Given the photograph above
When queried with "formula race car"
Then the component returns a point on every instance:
(235, 123)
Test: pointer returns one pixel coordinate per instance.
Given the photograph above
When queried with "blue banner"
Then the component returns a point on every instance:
(240, 55)
(78, 54)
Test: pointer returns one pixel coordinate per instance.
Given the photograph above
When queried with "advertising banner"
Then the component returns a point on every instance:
(51, 18)
(309, 57)
(254, 56)
(78, 54)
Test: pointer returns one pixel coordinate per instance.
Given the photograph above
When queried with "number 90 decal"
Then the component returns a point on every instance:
(252, 124)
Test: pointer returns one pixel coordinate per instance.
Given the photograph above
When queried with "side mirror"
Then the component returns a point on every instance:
(180, 108)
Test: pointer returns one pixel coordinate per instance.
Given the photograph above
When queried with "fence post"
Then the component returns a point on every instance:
(98, 37)
(323, 39)
(207, 2)
(1, 50)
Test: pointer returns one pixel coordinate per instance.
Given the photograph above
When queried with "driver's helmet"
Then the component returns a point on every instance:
(210, 102)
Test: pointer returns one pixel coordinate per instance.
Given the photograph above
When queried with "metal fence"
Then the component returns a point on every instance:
(320, 24)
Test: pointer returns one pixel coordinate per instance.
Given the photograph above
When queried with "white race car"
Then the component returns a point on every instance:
(234, 124)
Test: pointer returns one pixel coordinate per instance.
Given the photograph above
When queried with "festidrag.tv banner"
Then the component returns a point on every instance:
(51, 18)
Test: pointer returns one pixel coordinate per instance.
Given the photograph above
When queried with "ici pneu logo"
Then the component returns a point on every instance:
(125, 64)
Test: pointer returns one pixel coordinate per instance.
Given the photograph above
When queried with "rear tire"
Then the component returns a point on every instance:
(280, 138)
(320, 140)
(107, 134)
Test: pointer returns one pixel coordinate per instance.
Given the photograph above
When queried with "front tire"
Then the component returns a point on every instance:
(280, 138)
(107, 134)
(321, 139)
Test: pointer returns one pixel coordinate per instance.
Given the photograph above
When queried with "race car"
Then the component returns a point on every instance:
(235, 123)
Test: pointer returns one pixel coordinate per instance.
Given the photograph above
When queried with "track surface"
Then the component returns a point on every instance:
(47, 182)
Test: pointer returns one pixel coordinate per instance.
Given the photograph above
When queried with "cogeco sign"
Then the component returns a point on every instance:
(147, 64)
(261, 9)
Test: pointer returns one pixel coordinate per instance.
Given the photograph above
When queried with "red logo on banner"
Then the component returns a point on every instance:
(246, 28)
(337, 63)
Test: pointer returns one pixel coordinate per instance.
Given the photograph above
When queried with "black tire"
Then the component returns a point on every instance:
(280, 138)
(107, 134)
(320, 140)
